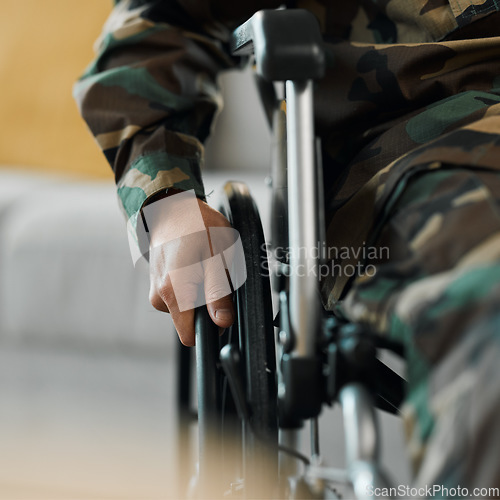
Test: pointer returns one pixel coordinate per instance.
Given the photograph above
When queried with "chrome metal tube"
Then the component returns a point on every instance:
(289, 466)
(314, 437)
(360, 425)
(302, 216)
(361, 441)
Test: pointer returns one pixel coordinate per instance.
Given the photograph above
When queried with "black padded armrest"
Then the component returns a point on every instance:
(287, 44)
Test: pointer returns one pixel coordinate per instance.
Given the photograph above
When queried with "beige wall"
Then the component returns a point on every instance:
(44, 46)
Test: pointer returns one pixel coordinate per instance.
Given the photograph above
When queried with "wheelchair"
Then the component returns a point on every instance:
(260, 382)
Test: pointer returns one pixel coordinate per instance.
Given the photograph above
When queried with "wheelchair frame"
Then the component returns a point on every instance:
(321, 360)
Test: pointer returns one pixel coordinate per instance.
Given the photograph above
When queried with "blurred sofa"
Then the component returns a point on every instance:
(66, 272)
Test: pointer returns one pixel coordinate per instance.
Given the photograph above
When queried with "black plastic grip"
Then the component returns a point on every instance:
(287, 44)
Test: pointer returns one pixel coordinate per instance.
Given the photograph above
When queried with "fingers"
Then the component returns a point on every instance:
(163, 299)
(212, 281)
(184, 324)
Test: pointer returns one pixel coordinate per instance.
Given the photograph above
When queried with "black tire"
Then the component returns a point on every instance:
(253, 335)
(254, 304)
(256, 343)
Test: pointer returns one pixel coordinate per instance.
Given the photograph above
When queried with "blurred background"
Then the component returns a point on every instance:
(87, 367)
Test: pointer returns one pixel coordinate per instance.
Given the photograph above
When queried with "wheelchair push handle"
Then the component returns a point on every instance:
(287, 44)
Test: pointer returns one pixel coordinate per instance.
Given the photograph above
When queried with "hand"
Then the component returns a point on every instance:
(178, 238)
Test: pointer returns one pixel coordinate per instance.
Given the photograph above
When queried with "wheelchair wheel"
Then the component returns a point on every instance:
(239, 408)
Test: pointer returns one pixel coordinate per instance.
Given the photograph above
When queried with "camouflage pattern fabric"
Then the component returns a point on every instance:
(409, 116)
(437, 290)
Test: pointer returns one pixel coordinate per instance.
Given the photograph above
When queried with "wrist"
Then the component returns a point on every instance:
(168, 219)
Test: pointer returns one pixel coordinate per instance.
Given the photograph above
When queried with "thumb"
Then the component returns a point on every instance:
(222, 311)
(218, 292)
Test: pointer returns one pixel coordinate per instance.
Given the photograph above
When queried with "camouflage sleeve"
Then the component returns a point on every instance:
(150, 95)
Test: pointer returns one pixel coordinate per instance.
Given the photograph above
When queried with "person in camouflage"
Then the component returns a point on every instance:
(409, 116)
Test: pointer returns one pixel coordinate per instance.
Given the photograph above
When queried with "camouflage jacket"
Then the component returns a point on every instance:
(402, 75)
